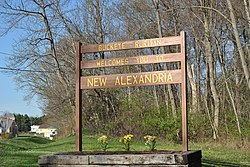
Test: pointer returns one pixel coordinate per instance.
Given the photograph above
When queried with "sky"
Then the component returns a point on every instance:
(11, 98)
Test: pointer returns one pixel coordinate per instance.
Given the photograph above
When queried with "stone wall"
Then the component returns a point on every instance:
(186, 159)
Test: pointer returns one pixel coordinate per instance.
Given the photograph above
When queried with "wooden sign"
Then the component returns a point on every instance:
(133, 79)
(136, 44)
(148, 59)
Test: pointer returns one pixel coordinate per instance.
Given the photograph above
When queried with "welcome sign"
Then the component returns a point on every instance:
(177, 76)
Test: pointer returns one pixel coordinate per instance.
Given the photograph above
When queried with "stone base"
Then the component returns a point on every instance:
(154, 159)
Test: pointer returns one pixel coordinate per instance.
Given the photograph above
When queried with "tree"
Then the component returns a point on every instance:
(217, 67)
(24, 122)
(159, 26)
(38, 49)
(239, 43)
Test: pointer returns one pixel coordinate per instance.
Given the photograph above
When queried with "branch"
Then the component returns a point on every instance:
(22, 70)
(202, 7)
(22, 10)
(213, 9)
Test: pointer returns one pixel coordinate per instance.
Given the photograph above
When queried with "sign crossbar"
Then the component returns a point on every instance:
(132, 79)
(137, 60)
(135, 44)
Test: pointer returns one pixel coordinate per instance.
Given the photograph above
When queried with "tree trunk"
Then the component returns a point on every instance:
(158, 19)
(156, 99)
(198, 75)
(221, 61)
(197, 53)
(55, 58)
(239, 45)
(212, 78)
(247, 13)
(190, 75)
(247, 8)
(237, 88)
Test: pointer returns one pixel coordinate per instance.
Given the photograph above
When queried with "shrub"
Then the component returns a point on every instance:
(6, 136)
(163, 124)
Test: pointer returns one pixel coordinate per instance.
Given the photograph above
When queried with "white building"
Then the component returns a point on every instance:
(47, 132)
(34, 128)
(8, 124)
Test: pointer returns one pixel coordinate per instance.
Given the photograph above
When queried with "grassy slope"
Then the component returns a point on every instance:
(24, 151)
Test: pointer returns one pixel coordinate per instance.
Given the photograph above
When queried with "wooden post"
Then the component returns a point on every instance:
(78, 99)
(184, 93)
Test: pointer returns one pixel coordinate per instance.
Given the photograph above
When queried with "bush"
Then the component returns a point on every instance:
(199, 126)
(163, 124)
(6, 136)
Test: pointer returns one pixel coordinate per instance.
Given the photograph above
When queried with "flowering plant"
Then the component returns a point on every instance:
(150, 141)
(103, 140)
(126, 140)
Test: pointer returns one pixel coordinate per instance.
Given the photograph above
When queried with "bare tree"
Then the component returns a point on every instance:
(239, 43)
(39, 46)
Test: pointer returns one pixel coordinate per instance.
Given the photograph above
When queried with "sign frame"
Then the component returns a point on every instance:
(81, 81)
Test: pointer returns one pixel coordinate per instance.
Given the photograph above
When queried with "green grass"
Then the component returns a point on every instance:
(24, 150)
(216, 155)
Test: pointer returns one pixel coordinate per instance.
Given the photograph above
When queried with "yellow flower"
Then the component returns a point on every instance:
(150, 141)
(149, 137)
(126, 140)
(103, 139)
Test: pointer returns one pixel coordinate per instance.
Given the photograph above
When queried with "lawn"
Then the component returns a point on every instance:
(24, 150)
